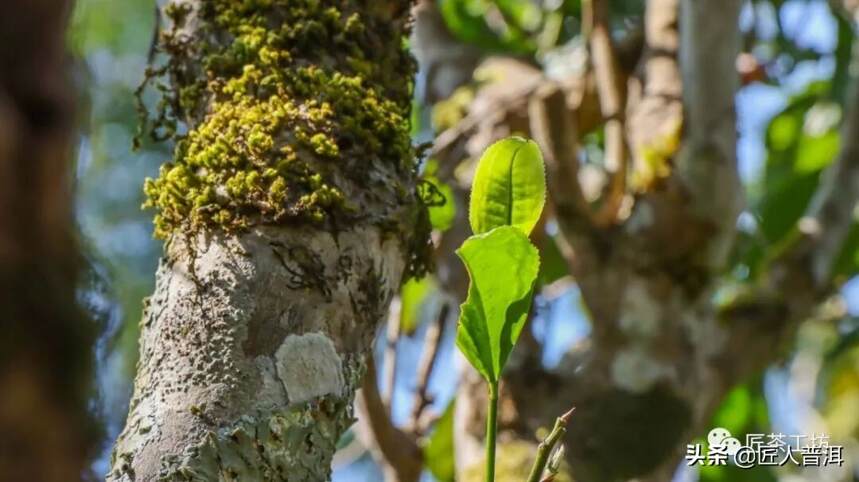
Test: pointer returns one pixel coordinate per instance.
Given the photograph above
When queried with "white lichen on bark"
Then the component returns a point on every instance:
(309, 367)
(241, 359)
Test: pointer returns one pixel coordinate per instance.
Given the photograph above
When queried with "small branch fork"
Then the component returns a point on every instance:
(546, 448)
(399, 446)
(392, 337)
(422, 399)
(612, 97)
(399, 449)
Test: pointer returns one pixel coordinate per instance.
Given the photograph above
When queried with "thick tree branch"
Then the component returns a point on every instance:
(611, 88)
(397, 451)
(707, 168)
(709, 46)
(446, 63)
(848, 8)
(553, 128)
(655, 109)
(238, 380)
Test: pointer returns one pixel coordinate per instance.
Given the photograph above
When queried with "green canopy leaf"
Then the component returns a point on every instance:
(413, 295)
(439, 450)
(442, 215)
(502, 265)
(509, 187)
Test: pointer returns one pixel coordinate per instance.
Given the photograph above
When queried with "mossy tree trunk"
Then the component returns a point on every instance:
(291, 215)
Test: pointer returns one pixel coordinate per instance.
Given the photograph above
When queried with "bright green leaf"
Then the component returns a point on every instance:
(736, 411)
(553, 265)
(439, 451)
(847, 262)
(502, 265)
(732, 473)
(509, 187)
(442, 216)
(467, 20)
(815, 153)
(413, 294)
(794, 162)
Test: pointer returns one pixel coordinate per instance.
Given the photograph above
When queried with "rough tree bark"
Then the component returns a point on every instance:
(46, 352)
(291, 216)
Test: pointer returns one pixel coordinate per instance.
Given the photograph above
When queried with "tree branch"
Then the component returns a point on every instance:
(544, 450)
(553, 128)
(432, 343)
(832, 209)
(392, 336)
(400, 455)
(805, 266)
(655, 108)
(709, 45)
(612, 97)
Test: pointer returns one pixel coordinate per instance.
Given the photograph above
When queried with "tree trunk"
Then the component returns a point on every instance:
(46, 352)
(270, 290)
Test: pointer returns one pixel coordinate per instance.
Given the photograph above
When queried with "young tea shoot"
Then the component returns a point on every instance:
(507, 199)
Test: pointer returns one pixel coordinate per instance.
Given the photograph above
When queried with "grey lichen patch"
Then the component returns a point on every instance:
(641, 314)
(271, 393)
(636, 370)
(295, 445)
(309, 367)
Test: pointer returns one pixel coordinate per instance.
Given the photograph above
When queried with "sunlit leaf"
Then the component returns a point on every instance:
(466, 19)
(743, 411)
(413, 296)
(847, 262)
(840, 379)
(439, 450)
(509, 187)
(553, 265)
(502, 265)
(736, 411)
(796, 158)
(731, 473)
(442, 215)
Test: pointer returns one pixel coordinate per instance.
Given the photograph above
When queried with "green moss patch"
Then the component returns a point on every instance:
(287, 106)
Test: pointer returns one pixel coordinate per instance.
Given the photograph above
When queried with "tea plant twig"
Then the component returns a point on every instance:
(544, 450)
(392, 337)
(491, 429)
(432, 343)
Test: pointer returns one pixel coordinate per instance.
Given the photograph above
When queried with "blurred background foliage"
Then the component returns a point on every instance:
(795, 63)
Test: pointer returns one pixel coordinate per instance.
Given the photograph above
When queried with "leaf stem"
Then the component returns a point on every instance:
(491, 428)
(546, 446)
